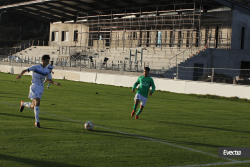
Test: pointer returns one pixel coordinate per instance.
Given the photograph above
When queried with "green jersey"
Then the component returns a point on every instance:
(144, 85)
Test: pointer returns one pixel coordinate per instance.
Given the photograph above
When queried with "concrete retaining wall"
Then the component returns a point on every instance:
(163, 84)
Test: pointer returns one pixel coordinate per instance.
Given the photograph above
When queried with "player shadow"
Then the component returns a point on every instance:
(113, 127)
(31, 162)
(154, 139)
(7, 97)
(31, 117)
(13, 94)
(199, 126)
(43, 126)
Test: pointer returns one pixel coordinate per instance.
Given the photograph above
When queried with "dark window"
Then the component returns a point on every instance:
(179, 39)
(206, 35)
(171, 40)
(198, 71)
(63, 37)
(148, 39)
(76, 35)
(245, 73)
(53, 36)
(242, 37)
(134, 35)
(216, 37)
(197, 37)
(188, 37)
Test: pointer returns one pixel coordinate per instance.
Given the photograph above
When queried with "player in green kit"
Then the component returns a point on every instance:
(144, 82)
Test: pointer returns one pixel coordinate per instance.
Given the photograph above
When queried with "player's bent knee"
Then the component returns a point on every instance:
(36, 102)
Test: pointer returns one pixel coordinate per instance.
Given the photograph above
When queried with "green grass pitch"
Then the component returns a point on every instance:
(171, 129)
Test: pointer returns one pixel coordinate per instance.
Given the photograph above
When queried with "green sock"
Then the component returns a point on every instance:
(135, 106)
(139, 111)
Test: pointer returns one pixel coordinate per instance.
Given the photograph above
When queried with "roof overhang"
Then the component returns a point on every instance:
(68, 10)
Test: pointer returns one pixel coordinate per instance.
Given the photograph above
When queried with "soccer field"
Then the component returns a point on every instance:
(172, 130)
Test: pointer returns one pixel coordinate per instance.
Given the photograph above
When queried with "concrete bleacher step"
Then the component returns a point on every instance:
(39, 51)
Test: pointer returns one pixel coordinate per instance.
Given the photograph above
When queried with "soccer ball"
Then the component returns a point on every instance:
(89, 125)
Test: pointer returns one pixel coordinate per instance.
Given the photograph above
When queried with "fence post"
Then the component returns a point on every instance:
(137, 66)
(177, 72)
(70, 61)
(80, 63)
(212, 76)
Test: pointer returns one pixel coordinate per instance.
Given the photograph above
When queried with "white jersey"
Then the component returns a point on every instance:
(39, 74)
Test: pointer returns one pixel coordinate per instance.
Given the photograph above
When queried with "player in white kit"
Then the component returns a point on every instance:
(50, 67)
(37, 87)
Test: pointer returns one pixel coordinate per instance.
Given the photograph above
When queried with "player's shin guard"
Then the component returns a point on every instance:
(36, 112)
(26, 104)
(139, 111)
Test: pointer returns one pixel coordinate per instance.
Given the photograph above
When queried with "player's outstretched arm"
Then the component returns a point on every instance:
(19, 76)
(53, 82)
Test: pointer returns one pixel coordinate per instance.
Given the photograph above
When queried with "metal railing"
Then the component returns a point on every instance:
(217, 75)
(86, 63)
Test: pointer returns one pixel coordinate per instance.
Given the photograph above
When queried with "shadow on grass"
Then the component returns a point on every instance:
(32, 117)
(13, 94)
(200, 126)
(37, 163)
(5, 97)
(158, 140)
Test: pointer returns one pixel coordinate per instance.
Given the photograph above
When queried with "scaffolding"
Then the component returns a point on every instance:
(176, 24)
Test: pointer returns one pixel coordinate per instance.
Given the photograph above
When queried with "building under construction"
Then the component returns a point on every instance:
(200, 33)
(163, 24)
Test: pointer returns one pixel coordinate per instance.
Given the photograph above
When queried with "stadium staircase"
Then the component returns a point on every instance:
(185, 73)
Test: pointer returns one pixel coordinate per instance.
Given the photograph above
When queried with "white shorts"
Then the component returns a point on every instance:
(141, 98)
(36, 91)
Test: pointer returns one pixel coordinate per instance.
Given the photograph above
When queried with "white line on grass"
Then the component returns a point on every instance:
(174, 145)
(219, 163)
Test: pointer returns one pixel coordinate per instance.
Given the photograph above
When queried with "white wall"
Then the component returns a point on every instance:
(163, 84)
(69, 39)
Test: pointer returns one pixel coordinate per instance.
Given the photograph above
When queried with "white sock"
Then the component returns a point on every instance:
(26, 104)
(36, 112)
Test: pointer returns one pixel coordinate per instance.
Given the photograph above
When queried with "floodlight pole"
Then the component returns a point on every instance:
(0, 17)
(0, 21)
